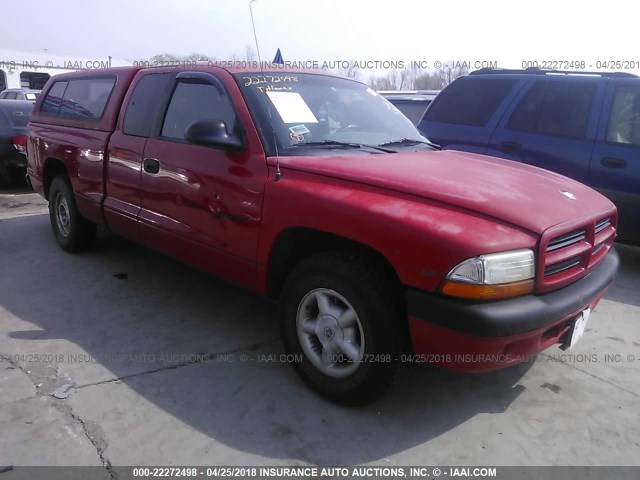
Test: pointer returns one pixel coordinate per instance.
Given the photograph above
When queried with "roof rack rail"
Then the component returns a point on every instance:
(540, 71)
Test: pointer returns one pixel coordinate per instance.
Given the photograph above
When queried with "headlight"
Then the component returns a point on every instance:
(492, 276)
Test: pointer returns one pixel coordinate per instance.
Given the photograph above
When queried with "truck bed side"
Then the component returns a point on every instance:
(65, 143)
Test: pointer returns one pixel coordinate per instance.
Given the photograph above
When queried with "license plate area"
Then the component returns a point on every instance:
(577, 330)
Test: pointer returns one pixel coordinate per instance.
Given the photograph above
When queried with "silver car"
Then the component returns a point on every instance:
(19, 94)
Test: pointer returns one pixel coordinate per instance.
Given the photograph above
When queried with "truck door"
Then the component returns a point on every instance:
(552, 126)
(199, 203)
(126, 147)
(615, 164)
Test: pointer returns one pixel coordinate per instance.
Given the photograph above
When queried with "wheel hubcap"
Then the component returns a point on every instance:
(63, 218)
(330, 332)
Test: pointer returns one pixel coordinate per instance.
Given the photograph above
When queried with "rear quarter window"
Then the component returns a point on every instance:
(470, 101)
(624, 119)
(83, 99)
(557, 108)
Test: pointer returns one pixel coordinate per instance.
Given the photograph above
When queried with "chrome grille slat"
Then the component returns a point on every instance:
(561, 266)
(602, 224)
(566, 240)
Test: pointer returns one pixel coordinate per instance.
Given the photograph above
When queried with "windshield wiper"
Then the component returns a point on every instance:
(335, 143)
(410, 141)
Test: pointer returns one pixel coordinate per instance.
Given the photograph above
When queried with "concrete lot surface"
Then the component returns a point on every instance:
(127, 329)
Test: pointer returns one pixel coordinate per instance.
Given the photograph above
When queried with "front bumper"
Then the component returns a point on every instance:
(475, 337)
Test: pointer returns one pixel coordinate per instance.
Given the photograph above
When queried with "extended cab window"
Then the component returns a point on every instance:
(624, 121)
(143, 106)
(560, 108)
(192, 102)
(79, 99)
(53, 100)
(470, 101)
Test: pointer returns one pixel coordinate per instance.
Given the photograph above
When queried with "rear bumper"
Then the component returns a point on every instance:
(19, 161)
(476, 337)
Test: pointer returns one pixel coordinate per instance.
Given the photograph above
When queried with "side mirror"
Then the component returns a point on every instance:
(213, 133)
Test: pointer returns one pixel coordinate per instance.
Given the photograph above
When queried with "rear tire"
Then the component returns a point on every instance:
(341, 314)
(73, 233)
(6, 179)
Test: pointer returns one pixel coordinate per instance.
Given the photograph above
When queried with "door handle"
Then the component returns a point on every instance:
(510, 146)
(613, 162)
(151, 165)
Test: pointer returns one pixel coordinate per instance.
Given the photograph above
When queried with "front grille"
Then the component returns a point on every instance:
(602, 224)
(566, 256)
(561, 266)
(566, 240)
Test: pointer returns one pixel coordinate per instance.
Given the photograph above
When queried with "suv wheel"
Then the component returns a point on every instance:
(73, 233)
(339, 314)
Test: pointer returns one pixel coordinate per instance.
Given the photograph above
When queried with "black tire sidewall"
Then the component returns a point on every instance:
(60, 188)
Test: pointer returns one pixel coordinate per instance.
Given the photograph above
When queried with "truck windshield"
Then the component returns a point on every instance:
(302, 110)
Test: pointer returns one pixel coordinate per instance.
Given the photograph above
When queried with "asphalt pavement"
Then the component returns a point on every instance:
(156, 363)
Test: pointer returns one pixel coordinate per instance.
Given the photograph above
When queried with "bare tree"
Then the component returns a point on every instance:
(404, 79)
(196, 57)
(164, 57)
(250, 54)
(449, 71)
(351, 71)
(427, 81)
(390, 81)
(408, 77)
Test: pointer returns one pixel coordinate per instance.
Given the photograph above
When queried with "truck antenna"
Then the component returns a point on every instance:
(255, 36)
(278, 175)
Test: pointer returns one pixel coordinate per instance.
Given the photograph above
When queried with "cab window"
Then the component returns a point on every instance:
(192, 102)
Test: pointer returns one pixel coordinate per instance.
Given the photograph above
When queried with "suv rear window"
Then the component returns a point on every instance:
(79, 99)
(470, 101)
(558, 108)
(624, 120)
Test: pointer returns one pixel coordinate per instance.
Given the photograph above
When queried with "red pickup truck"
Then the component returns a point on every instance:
(315, 191)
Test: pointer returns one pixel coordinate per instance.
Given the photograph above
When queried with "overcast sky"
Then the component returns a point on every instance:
(506, 31)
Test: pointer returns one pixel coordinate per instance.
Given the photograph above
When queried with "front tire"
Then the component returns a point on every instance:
(73, 233)
(341, 314)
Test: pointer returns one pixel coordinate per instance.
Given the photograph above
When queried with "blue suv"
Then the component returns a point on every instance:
(583, 125)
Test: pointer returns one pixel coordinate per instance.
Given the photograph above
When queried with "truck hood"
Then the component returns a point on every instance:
(522, 195)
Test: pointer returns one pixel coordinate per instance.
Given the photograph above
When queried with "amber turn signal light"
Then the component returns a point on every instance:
(487, 292)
